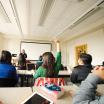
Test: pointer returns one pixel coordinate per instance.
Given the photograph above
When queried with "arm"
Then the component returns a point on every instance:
(41, 72)
(58, 46)
(58, 57)
(37, 74)
(25, 55)
(1, 102)
(87, 91)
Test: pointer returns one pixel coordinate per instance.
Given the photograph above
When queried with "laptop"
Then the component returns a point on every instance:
(37, 98)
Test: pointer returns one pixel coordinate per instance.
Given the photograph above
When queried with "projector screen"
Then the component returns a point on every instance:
(34, 49)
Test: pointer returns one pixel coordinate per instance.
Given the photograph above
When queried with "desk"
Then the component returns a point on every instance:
(26, 74)
(14, 95)
(64, 73)
(65, 99)
(17, 95)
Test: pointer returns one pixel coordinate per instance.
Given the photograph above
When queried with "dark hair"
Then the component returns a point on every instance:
(40, 58)
(86, 58)
(103, 63)
(48, 64)
(5, 57)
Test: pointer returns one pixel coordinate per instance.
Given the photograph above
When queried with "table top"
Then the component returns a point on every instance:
(15, 95)
(65, 99)
(32, 72)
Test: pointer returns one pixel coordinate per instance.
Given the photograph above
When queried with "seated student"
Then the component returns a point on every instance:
(39, 62)
(87, 91)
(50, 67)
(81, 71)
(8, 76)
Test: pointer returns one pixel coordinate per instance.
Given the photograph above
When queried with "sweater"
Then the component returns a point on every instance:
(87, 91)
(41, 72)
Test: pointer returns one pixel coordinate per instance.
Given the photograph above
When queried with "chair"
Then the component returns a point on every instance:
(7, 82)
(30, 66)
(42, 80)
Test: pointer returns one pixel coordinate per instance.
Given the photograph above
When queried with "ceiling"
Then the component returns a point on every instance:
(49, 19)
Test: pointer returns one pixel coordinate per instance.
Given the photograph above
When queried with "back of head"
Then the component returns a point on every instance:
(48, 63)
(5, 57)
(22, 51)
(40, 58)
(86, 58)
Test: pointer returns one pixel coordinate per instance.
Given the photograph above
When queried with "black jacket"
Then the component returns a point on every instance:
(80, 72)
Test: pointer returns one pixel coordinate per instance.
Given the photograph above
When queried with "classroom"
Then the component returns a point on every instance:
(61, 30)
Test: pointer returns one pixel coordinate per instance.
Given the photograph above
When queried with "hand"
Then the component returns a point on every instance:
(99, 71)
(1, 102)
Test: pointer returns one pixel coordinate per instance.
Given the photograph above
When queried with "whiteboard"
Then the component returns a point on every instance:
(34, 49)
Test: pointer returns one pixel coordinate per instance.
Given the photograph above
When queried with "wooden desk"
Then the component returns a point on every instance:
(14, 95)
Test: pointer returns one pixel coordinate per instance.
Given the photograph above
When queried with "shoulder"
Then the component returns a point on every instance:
(41, 68)
(77, 67)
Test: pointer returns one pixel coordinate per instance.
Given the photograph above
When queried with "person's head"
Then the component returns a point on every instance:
(48, 63)
(85, 59)
(5, 57)
(23, 51)
(40, 58)
(103, 63)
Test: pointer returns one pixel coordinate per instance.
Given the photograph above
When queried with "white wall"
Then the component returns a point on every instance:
(12, 45)
(1, 43)
(94, 41)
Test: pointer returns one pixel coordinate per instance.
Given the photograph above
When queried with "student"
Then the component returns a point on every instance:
(50, 67)
(81, 71)
(87, 91)
(39, 62)
(7, 70)
(22, 60)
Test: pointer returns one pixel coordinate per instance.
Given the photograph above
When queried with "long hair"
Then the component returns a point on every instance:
(5, 57)
(48, 64)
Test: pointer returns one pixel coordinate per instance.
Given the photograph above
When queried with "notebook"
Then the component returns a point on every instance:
(37, 98)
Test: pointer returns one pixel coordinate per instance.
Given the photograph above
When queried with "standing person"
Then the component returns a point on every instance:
(7, 70)
(22, 60)
(50, 66)
(81, 71)
(87, 91)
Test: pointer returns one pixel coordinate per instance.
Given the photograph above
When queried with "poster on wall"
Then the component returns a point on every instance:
(78, 50)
